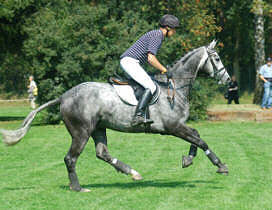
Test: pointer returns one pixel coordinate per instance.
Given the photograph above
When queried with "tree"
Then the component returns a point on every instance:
(259, 47)
(14, 68)
(64, 43)
(237, 38)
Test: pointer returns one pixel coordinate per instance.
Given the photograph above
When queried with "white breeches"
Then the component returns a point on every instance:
(133, 68)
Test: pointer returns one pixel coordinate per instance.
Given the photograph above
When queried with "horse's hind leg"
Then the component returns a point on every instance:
(188, 134)
(79, 139)
(102, 153)
(188, 160)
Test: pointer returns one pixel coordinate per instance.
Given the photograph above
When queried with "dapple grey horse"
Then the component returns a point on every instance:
(89, 108)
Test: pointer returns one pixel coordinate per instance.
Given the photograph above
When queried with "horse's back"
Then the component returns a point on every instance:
(88, 93)
(90, 99)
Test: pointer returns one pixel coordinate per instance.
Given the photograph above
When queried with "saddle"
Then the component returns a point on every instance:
(130, 91)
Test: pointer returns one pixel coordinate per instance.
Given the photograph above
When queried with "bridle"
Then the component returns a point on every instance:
(217, 71)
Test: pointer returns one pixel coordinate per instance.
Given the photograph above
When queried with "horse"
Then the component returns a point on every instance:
(89, 108)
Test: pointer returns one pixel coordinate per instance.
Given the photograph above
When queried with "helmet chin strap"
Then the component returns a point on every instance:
(167, 31)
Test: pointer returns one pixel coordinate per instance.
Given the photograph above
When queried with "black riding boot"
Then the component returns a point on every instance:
(139, 117)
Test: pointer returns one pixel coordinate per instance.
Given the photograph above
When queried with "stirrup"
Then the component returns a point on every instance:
(148, 121)
(138, 120)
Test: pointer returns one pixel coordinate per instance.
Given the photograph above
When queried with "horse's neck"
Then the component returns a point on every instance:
(185, 71)
(189, 64)
(183, 87)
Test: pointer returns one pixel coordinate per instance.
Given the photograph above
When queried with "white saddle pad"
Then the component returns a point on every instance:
(126, 93)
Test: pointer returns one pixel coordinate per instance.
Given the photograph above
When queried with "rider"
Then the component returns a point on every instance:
(145, 49)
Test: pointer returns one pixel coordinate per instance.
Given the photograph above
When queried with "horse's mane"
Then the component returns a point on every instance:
(186, 57)
(183, 64)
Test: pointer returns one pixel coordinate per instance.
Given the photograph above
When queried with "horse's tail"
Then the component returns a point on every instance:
(11, 137)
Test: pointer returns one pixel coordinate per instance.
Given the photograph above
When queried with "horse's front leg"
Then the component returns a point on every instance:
(189, 135)
(188, 160)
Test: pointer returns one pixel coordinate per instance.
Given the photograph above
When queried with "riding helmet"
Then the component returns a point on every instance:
(170, 21)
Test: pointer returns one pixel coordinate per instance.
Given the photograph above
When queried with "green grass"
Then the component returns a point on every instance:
(220, 104)
(33, 174)
(245, 98)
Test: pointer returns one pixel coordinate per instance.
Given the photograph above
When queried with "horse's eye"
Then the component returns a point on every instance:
(217, 59)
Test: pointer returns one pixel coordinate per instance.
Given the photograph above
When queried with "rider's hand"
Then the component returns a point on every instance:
(164, 71)
(169, 75)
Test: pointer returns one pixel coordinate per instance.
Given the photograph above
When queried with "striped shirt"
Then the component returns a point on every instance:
(150, 42)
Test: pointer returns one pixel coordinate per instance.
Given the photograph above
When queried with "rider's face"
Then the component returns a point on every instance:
(171, 32)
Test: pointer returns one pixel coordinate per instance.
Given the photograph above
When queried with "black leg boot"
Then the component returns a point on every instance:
(139, 117)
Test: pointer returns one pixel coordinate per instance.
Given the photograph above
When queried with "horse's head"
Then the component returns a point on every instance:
(212, 64)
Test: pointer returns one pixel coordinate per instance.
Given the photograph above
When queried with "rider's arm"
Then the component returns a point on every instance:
(155, 63)
(261, 73)
(235, 86)
(262, 78)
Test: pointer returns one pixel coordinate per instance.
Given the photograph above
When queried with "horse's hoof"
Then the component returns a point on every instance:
(223, 169)
(79, 189)
(84, 190)
(186, 161)
(137, 177)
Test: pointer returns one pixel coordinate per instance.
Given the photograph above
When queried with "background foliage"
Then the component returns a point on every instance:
(64, 43)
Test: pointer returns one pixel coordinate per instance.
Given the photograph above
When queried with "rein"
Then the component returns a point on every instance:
(171, 99)
(171, 84)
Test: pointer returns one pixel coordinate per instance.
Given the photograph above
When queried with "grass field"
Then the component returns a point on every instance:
(245, 98)
(33, 174)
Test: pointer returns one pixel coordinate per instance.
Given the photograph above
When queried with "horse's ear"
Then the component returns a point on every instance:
(212, 44)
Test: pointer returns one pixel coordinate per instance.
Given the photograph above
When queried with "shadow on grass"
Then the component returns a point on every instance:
(39, 124)
(11, 118)
(155, 183)
(19, 188)
(20, 119)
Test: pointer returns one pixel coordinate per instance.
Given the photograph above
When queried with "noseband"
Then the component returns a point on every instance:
(217, 71)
